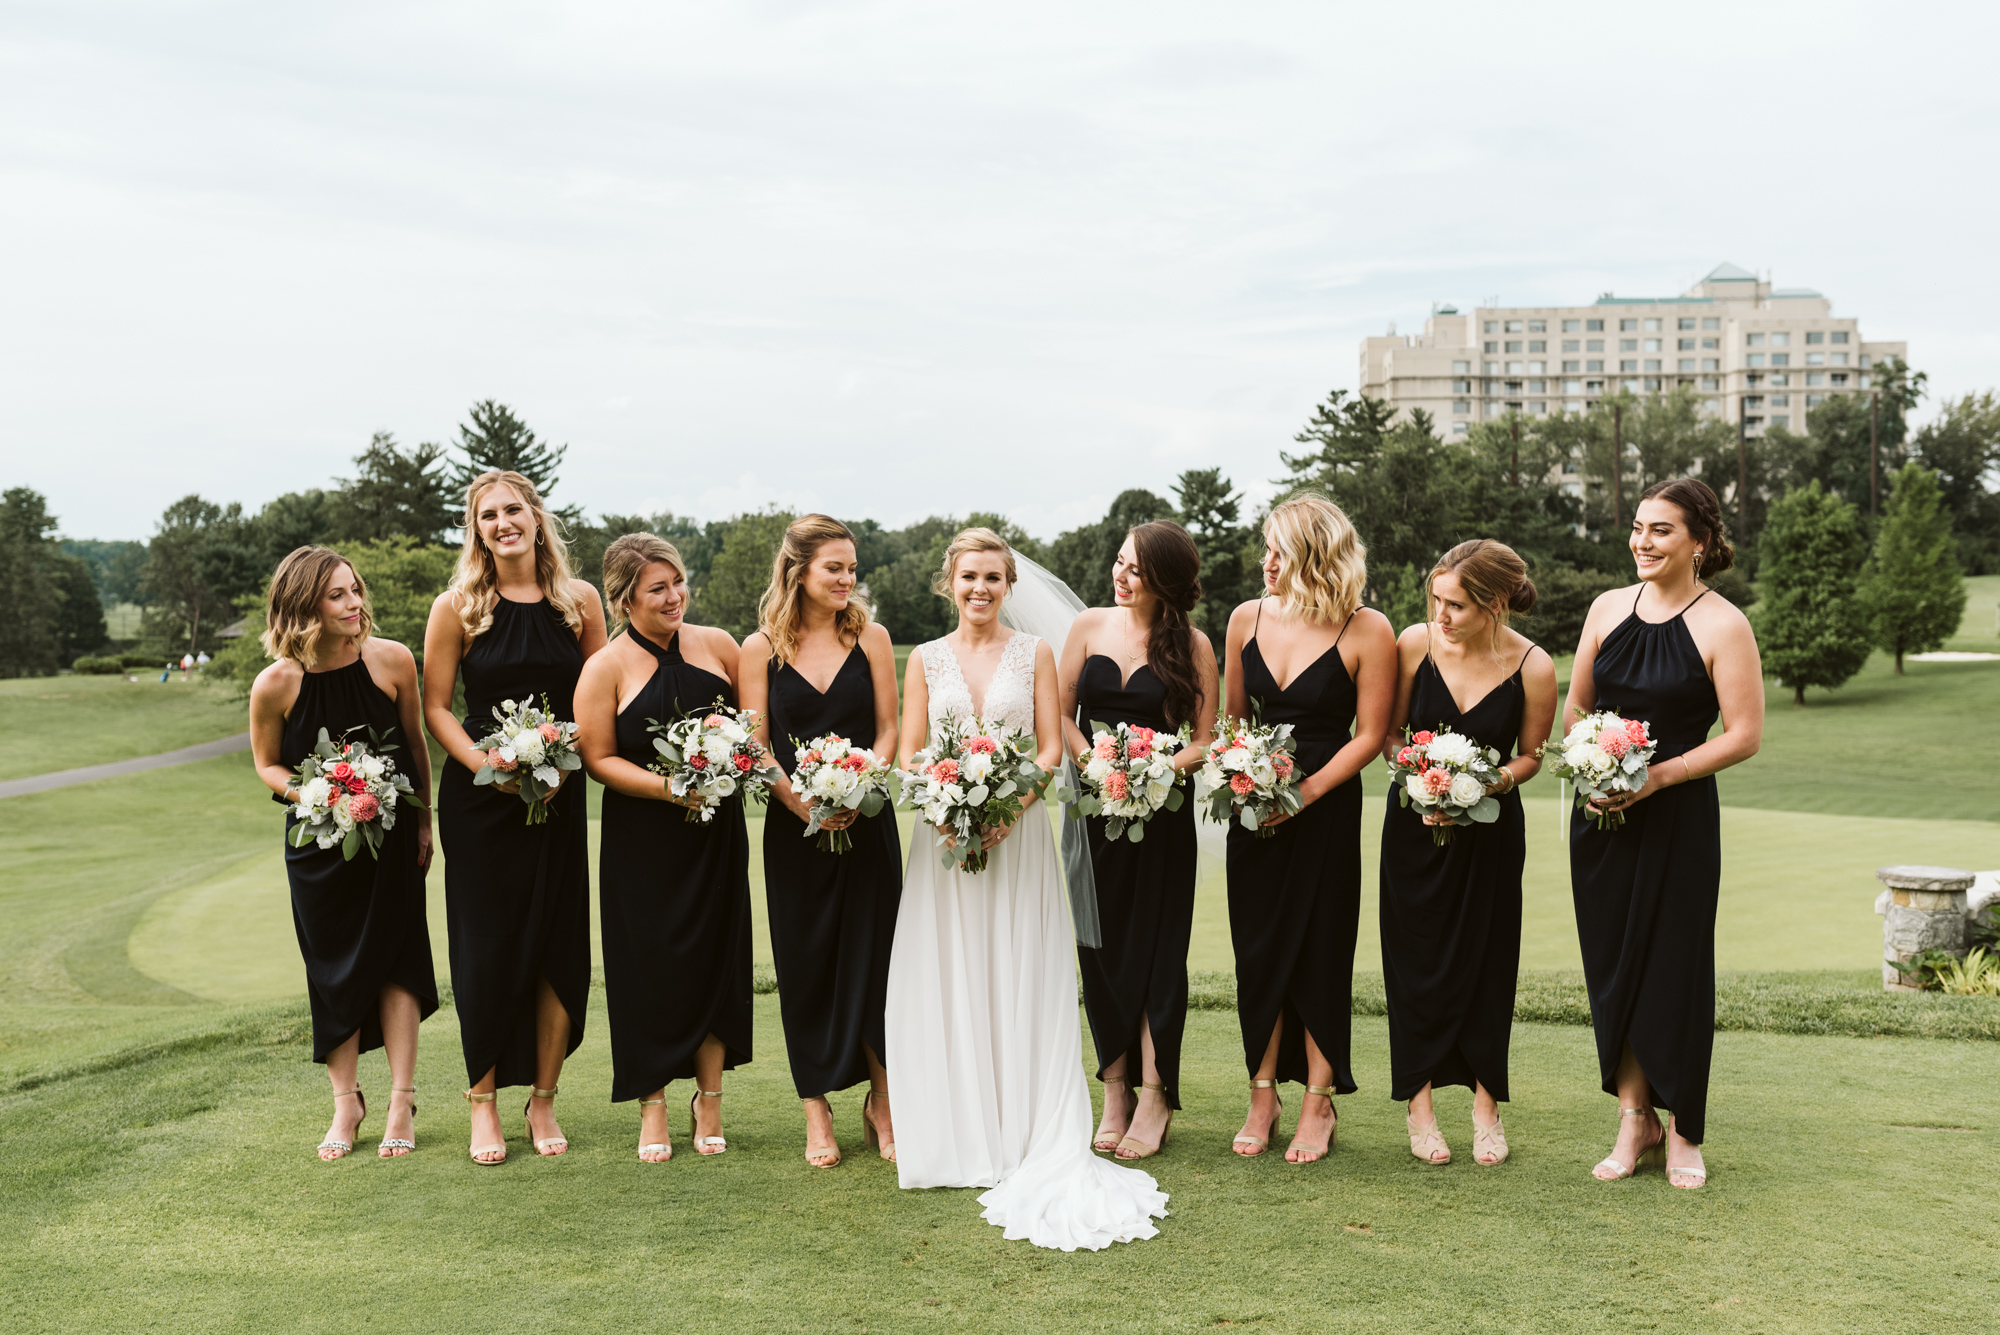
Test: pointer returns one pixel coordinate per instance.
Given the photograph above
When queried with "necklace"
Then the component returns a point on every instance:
(1130, 657)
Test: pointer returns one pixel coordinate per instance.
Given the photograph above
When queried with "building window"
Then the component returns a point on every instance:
(1628, 345)
(1513, 326)
(1814, 378)
(1754, 379)
(1461, 368)
(1572, 387)
(1628, 326)
(1572, 345)
(1653, 345)
(1781, 340)
(1711, 345)
(1652, 363)
(1515, 368)
(1840, 359)
(1492, 327)
(1711, 364)
(1711, 322)
(1461, 386)
(1815, 359)
(1781, 359)
(1629, 364)
(1782, 378)
(1864, 363)
(1652, 386)
(1571, 368)
(1652, 326)
(1538, 368)
(1840, 336)
(1753, 402)
(1538, 387)
(1459, 428)
(1513, 407)
(1593, 345)
(1753, 422)
(1539, 408)
(1493, 368)
(1593, 326)
(1538, 345)
(1683, 345)
(1492, 346)
(1781, 420)
(1513, 345)
(1685, 322)
(1572, 326)
(1685, 364)
(1571, 406)
(1815, 336)
(1538, 326)
(1594, 364)
(1753, 340)
(1629, 386)
(1755, 359)
(1781, 400)
(1839, 379)
(1513, 388)
(1711, 384)
(1461, 405)
(1593, 386)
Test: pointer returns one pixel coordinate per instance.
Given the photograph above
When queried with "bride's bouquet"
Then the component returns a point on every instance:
(834, 775)
(1250, 775)
(1602, 755)
(348, 795)
(1128, 778)
(531, 746)
(712, 756)
(1446, 774)
(973, 776)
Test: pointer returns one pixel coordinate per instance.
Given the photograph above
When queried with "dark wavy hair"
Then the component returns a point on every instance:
(1703, 513)
(1170, 564)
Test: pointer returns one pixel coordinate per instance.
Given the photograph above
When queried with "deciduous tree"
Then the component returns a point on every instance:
(1913, 590)
(1812, 628)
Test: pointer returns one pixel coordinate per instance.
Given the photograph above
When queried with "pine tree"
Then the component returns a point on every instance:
(1811, 626)
(397, 493)
(495, 438)
(1913, 589)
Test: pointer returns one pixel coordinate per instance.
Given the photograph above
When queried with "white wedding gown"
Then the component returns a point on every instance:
(985, 1050)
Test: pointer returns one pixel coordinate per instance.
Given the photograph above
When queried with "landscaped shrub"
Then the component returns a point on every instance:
(97, 667)
(140, 660)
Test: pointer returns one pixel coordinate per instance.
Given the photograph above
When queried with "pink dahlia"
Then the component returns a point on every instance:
(945, 771)
(1241, 784)
(550, 732)
(1114, 785)
(364, 807)
(498, 761)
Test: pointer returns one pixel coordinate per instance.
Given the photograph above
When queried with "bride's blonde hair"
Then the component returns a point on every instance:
(475, 587)
(971, 540)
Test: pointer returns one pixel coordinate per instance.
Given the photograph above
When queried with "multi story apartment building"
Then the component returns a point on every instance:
(1758, 354)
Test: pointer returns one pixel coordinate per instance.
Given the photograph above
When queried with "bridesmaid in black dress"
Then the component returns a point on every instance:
(1143, 663)
(517, 896)
(673, 893)
(1312, 656)
(833, 916)
(360, 921)
(1665, 652)
(1451, 915)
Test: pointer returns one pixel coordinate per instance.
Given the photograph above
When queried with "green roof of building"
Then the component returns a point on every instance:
(1796, 292)
(1729, 273)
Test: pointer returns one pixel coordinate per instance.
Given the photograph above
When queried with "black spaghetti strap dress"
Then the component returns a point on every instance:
(1295, 897)
(517, 896)
(673, 902)
(1451, 915)
(1646, 892)
(1145, 898)
(832, 915)
(361, 922)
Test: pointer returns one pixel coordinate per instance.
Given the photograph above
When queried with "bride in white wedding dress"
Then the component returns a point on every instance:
(985, 1049)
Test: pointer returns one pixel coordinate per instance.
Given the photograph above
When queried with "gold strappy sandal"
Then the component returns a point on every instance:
(398, 1147)
(562, 1141)
(1261, 1142)
(1332, 1132)
(664, 1150)
(870, 1137)
(477, 1150)
(1128, 1148)
(342, 1148)
(814, 1156)
(1105, 1142)
(703, 1144)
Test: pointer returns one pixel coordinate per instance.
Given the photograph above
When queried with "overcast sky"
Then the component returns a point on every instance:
(893, 259)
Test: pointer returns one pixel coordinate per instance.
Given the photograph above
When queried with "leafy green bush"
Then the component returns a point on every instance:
(1562, 601)
(141, 660)
(97, 667)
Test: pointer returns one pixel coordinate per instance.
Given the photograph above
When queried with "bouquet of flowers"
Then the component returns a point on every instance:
(1603, 754)
(348, 795)
(1128, 777)
(1250, 775)
(835, 775)
(1446, 774)
(972, 776)
(712, 756)
(532, 747)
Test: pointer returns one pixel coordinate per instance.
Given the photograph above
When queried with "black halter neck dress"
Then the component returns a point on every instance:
(360, 922)
(832, 915)
(1646, 892)
(673, 902)
(1295, 897)
(1145, 898)
(517, 896)
(1451, 915)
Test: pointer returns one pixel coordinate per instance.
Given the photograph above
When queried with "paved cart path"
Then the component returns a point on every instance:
(38, 783)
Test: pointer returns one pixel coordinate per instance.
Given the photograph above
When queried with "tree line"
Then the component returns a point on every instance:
(1560, 490)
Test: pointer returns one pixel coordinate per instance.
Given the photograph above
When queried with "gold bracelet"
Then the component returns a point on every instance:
(1687, 770)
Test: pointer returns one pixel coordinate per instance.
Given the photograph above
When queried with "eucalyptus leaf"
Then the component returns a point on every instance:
(1174, 798)
(350, 845)
(1136, 831)
(487, 774)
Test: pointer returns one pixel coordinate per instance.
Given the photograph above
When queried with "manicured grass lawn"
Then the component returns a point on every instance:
(56, 723)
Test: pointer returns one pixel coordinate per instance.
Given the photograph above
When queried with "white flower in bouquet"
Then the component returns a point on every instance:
(1452, 750)
(1466, 790)
(1447, 776)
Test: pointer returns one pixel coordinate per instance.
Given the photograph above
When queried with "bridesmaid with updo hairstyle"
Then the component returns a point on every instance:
(1451, 913)
(673, 892)
(1143, 663)
(517, 896)
(1662, 651)
(1308, 654)
(360, 920)
(816, 665)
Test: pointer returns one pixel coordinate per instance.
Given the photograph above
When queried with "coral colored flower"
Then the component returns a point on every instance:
(550, 733)
(945, 771)
(1241, 784)
(1437, 782)
(363, 807)
(340, 772)
(713, 721)
(1423, 738)
(1635, 732)
(498, 761)
(696, 760)
(1139, 748)
(1115, 787)
(811, 758)
(853, 761)
(1282, 763)
(356, 785)
(1614, 744)
(745, 763)
(1407, 756)
(1106, 748)
(1144, 734)
(981, 746)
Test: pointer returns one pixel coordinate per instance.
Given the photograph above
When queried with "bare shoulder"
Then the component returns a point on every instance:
(278, 682)
(1044, 654)
(1090, 619)
(1202, 648)
(713, 638)
(1612, 599)
(756, 645)
(875, 639)
(391, 654)
(1372, 627)
(446, 602)
(1717, 623)
(584, 591)
(1245, 615)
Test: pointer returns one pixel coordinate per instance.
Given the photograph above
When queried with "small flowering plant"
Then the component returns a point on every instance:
(532, 747)
(1250, 775)
(1602, 755)
(712, 756)
(974, 776)
(835, 775)
(348, 794)
(1446, 775)
(1128, 777)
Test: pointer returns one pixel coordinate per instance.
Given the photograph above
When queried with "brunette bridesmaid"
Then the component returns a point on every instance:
(673, 891)
(517, 896)
(1143, 663)
(360, 921)
(818, 665)
(1310, 655)
(1666, 652)
(1451, 914)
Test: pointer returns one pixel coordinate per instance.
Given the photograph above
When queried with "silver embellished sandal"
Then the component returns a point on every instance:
(397, 1147)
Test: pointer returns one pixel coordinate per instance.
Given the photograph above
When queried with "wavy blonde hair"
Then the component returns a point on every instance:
(475, 587)
(970, 540)
(782, 609)
(626, 559)
(1322, 566)
(292, 621)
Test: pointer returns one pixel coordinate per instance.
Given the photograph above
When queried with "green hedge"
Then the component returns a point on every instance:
(97, 667)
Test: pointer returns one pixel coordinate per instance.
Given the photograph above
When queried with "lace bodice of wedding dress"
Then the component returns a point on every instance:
(1010, 696)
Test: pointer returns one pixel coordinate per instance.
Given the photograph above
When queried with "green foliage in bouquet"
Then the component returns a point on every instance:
(327, 753)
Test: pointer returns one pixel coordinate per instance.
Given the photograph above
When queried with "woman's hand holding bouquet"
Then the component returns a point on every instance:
(707, 758)
(1127, 777)
(1448, 777)
(347, 795)
(1604, 756)
(972, 782)
(838, 781)
(530, 748)
(1250, 776)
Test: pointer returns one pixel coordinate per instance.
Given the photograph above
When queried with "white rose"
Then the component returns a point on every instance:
(1261, 773)
(1414, 785)
(1097, 769)
(977, 767)
(734, 732)
(508, 753)
(372, 767)
(835, 750)
(722, 785)
(1157, 790)
(1235, 758)
(1466, 790)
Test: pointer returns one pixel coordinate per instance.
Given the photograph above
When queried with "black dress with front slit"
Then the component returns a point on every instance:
(360, 921)
(1646, 892)
(1451, 915)
(832, 915)
(1295, 896)
(517, 896)
(673, 902)
(1145, 898)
